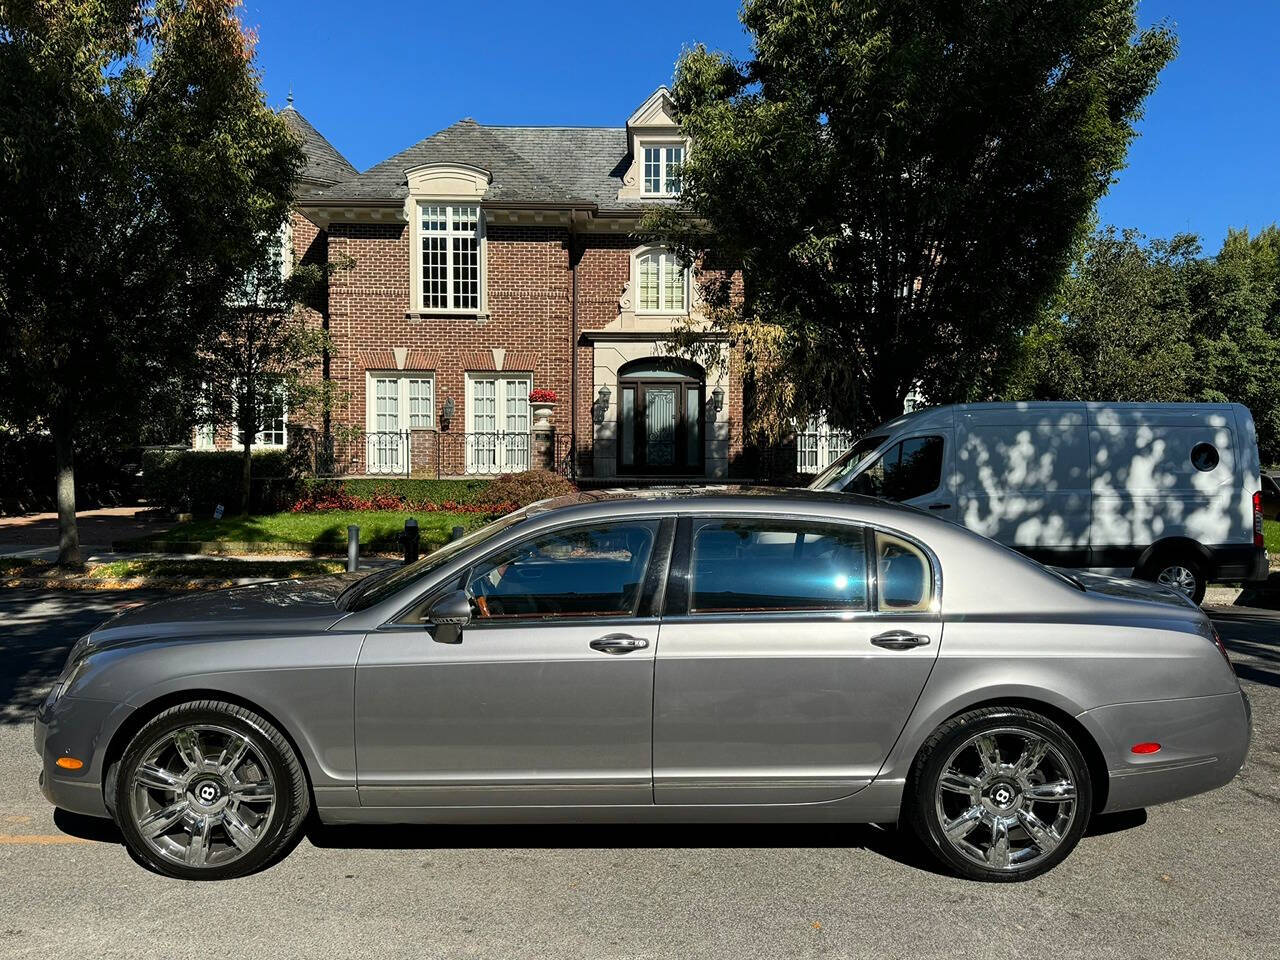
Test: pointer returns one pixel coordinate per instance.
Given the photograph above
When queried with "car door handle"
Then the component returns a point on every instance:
(618, 643)
(900, 639)
(939, 506)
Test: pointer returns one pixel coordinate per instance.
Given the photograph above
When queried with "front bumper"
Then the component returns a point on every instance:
(1204, 742)
(70, 727)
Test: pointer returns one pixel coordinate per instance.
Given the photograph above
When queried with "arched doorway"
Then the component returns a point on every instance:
(661, 427)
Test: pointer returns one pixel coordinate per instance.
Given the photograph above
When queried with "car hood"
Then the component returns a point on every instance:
(1129, 589)
(279, 605)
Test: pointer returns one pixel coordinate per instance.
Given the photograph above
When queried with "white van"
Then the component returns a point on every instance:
(1164, 491)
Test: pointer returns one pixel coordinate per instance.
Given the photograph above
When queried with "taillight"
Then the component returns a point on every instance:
(1257, 518)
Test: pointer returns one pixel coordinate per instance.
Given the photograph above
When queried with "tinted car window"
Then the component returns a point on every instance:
(581, 572)
(749, 565)
(836, 475)
(903, 573)
(907, 470)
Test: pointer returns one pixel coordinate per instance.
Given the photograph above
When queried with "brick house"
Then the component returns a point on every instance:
(492, 261)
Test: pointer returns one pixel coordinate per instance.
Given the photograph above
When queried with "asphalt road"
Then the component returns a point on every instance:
(1199, 878)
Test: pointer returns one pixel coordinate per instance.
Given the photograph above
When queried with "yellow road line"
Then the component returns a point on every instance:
(39, 840)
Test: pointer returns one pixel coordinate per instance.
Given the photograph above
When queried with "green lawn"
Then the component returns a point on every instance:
(378, 528)
(1271, 534)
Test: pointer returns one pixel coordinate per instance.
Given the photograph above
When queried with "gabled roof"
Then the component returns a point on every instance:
(527, 164)
(324, 165)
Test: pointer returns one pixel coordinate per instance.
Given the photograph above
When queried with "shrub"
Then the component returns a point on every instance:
(527, 487)
(199, 480)
(408, 489)
(333, 497)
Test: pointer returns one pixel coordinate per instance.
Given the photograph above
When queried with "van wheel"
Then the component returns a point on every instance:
(1183, 574)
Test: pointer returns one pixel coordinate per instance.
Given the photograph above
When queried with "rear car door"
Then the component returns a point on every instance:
(547, 699)
(792, 654)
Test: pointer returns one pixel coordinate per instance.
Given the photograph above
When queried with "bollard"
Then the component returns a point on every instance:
(353, 548)
(410, 541)
(456, 533)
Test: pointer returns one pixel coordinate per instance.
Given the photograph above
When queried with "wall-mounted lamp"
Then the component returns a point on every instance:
(601, 405)
(446, 413)
(717, 399)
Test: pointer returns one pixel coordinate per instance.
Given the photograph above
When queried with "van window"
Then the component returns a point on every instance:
(907, 470)
(761, 565)
(836, 475)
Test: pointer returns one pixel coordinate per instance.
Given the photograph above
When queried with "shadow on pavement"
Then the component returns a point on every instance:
(37, 629)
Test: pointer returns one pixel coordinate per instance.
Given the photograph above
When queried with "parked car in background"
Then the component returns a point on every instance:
(1168, 492)
(758, 657)
(1270, 497)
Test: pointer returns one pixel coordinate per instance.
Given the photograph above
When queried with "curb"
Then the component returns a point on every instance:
(277, 547)
(130, 583)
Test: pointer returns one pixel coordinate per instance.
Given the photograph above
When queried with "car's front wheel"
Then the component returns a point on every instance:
(1000, 793)
(209, 790)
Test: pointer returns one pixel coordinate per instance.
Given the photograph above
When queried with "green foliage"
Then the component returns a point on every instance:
(1158, 322)
(527, 487)
(901, 184)
(196, 481)
(139, 166)
(412, 489)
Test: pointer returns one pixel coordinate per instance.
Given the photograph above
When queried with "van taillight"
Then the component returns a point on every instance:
(1257, 518)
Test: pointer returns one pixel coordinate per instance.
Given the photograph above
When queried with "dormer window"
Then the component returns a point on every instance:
(662, 169)
(450, 237)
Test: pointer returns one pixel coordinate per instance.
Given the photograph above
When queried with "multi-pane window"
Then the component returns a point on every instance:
(662, 283)
(498, 423)
(400, 401)
(662, 169)
(273, 422)
(819, 445)
(450, 238)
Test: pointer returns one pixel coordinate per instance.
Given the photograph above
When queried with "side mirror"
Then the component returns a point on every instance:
(449, 615)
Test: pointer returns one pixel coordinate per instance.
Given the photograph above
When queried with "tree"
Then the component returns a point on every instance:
(264, 359)
(1118, 327)
(1156, 321)
(901, 184)
(139, 164)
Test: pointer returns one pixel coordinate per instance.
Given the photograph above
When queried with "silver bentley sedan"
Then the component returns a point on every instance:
(681, 656)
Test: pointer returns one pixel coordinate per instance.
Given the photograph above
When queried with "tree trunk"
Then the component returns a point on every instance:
(68, 534)
(246, 473)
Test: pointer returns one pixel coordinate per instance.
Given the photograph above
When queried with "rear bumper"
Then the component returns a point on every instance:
(1240, 563)
(1203, 744)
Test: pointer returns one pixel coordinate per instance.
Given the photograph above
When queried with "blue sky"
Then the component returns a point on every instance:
(379, 76)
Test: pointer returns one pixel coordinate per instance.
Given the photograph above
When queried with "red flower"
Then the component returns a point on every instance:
(542, 395)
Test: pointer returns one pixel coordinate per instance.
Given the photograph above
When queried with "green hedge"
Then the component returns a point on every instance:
(412, 489)
(199, 480)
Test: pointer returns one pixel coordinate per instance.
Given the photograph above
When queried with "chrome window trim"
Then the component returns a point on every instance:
(935, 602)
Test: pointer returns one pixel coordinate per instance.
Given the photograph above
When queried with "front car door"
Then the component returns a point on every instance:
(911, 471)
(547, 699)
(792, 654)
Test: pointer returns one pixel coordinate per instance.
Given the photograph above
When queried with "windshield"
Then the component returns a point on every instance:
(379, 586)
(838, 474)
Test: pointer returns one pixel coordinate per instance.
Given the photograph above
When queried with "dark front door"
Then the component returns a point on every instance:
(661, 426)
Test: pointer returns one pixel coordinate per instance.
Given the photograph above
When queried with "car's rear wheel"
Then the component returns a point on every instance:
(209, 790)
(1000, 793)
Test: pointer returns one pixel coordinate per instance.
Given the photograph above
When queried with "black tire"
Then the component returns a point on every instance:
(1167, 568)
(924, 796)
(279, 827)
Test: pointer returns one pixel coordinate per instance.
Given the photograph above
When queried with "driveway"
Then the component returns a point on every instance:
(98, 529)
(1196, 878)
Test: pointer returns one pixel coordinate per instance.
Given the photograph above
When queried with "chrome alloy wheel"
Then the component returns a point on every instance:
(202, 796)
(1006, 798)
(1179, 577)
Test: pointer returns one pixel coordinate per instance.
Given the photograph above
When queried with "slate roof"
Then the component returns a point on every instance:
(527, 164)
(325, 165)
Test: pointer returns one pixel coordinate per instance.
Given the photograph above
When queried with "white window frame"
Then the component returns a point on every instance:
(448, 234)
(664, 165)
(404, 397)
(258, 441)
(818, 444)
(506, 448)
(666, 260)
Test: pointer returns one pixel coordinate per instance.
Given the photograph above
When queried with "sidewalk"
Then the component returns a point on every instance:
(98, 529)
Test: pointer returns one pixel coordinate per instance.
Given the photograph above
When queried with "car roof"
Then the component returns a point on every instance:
(695, 499)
